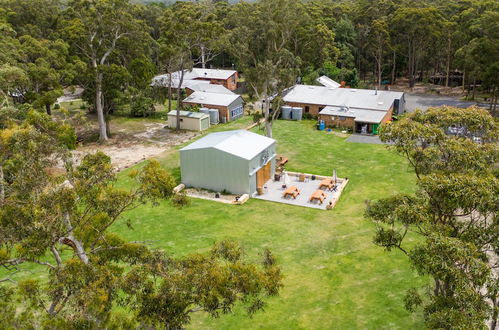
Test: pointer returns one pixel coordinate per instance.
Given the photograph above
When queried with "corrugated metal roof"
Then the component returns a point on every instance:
(190, 76)
(162, 81)
(354, 98)
(327, 82)
(211, 98)
(213, 73)
(359, 115)
(209, 88)
(189, 114)
(240, 143)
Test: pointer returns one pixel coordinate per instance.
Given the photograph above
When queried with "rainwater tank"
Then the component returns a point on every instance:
(296, 113)
(214, 116)
(286, 112)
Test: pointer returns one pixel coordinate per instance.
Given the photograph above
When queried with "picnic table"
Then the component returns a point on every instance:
(318, 195)
(328, 183)
(282, 161)
(292, 191)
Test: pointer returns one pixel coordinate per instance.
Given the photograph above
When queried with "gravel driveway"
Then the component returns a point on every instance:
(423, 102)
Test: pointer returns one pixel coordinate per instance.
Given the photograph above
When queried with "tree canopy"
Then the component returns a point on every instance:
(454, 153)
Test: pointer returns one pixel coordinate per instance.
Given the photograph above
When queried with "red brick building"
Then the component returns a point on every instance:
(226, 78)
(361, 110)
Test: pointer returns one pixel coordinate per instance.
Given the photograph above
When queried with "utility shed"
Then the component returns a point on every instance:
(193, 121)
(235, 161)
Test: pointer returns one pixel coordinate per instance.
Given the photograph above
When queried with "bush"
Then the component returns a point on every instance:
(57, 106)
(180, 200)
(142, 106)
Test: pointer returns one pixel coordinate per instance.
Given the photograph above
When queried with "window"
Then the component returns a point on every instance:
(307, 108)
(237, 111)
(343, 118)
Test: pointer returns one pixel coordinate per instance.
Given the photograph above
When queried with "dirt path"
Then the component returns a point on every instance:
(128, 150)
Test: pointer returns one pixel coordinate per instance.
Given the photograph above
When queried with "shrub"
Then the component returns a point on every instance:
(142, 106)
(180, 200)
(57, 106)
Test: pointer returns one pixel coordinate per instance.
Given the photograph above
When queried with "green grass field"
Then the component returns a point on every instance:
(335, 277)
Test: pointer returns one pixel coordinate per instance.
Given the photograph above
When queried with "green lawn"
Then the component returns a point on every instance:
(334, 276)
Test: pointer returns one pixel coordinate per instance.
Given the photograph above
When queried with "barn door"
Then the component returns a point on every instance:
(260, 177)
(263, 175)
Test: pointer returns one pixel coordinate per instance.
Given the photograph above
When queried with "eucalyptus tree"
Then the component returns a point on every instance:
(453, 153)
(414, 29)
(260, 41)
(190, 34)
(101, 31)
(60, 222)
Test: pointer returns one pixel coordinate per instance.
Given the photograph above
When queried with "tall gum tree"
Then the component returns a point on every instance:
(99, 30)
(454, 154)
(261, 42)
(60, 222)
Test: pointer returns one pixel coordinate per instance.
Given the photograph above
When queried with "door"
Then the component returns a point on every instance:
(263, 175)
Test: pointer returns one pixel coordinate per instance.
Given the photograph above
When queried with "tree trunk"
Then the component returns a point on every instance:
(379, 70)
(448, 61)
(393, 67)
(2, 187)
(474, 89)
(268, 122)
(48, 109)
(179, 96)
(170, 94)
(464, 79)
(108, 125)
(99, 107)
(203, 57)
(493, 102)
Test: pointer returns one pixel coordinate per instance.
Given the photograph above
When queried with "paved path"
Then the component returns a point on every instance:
(358, 138)
(423, 102)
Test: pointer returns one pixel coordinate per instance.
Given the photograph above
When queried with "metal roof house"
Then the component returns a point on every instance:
(207, 88)
(235, 161)
(362, 110)
(227, 78)
(230, 106)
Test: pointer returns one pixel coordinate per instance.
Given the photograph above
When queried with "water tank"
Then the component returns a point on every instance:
(205, 110)
(214, 116)
(297, 113)
(286, 112)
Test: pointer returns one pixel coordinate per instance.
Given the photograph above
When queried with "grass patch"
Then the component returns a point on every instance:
(334, 276)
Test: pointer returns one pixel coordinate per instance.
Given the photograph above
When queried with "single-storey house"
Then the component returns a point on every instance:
(234, 161)
(230, 106)
(192, 121)
(361, 110)
(226, 78)
(207, 88)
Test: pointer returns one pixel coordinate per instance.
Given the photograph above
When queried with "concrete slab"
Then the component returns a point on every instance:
(359, 138)
(273, 191)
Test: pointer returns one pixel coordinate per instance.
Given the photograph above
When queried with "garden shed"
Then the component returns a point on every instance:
(234, 161)
(189, 120)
